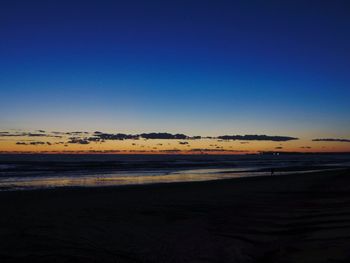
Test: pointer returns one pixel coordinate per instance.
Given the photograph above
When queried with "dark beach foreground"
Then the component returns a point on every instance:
(292, 218)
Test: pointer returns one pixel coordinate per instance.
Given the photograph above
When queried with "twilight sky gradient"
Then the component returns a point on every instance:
(206, 68)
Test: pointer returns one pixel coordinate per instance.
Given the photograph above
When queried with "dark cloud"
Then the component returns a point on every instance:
(95, 139)
(31, 143)
(76, 133)
(257, 138)
(22, 134)
(168, 136)
(278, 148)
(147, 136)
(163, 136)
(331, 140)
(83, 137)
(77, 140)
(109, 136)
(28, 134)
(37, 143)
(36, 135)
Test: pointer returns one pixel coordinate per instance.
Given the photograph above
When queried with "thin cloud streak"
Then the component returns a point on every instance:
(331, 140)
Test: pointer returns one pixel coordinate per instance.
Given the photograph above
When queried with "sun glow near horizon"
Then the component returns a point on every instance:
(159, 143)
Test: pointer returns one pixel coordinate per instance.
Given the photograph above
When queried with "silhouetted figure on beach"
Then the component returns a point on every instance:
(272, 171)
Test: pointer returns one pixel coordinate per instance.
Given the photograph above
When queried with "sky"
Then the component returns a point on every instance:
(199, 68)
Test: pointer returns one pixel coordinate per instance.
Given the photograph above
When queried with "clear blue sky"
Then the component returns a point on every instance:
(198, 67)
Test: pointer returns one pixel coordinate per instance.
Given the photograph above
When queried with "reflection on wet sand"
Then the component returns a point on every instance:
(119, 179)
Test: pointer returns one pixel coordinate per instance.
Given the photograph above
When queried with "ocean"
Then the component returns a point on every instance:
(41, 171)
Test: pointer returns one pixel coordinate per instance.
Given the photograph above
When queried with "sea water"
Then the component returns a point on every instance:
(38, 171)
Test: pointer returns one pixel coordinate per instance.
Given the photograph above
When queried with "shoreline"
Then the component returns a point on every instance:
(289, 218)
(92, 180)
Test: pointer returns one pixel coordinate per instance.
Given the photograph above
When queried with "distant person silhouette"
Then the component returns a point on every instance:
(272, 171)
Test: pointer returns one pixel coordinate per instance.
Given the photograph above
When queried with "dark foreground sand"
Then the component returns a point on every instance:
(296, 218)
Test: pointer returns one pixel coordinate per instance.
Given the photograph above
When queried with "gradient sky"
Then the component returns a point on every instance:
(196, 67)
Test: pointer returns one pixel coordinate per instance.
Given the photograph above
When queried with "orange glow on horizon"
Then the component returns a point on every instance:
(164, 146)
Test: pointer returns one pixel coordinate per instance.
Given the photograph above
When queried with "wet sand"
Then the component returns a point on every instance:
(292, 218)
